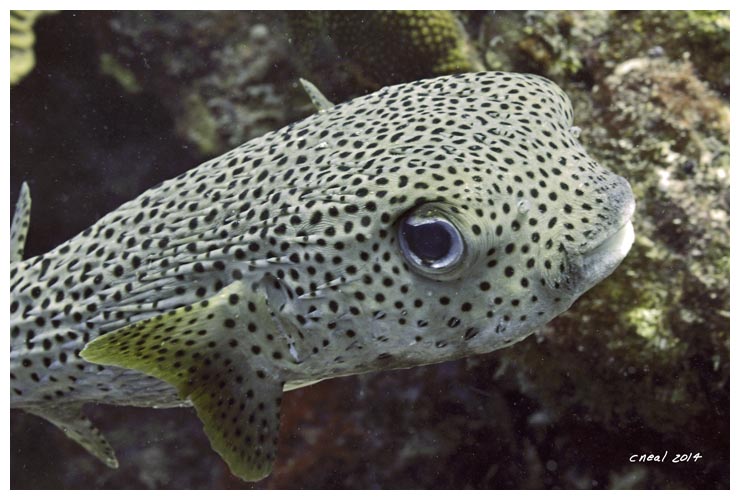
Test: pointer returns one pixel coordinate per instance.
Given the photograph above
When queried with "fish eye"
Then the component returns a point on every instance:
(430, 242)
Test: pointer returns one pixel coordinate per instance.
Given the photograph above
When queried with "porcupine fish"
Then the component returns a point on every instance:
(425, 222)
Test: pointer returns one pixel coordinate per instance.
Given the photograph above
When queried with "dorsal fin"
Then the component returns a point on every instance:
(317, 98)
(216, 353)
(70, 419)
(19, 226)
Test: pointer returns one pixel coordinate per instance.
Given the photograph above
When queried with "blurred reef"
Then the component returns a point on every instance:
(346, 53)
(119, 101)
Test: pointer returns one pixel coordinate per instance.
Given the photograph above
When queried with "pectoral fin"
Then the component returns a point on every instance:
(210, 352)
(70, 419)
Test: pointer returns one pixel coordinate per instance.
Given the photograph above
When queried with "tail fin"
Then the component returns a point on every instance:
(19, 227)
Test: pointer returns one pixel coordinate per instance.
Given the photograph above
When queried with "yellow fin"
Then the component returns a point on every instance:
(212, 352)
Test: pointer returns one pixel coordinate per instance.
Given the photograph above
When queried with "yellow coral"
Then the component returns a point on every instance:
(386, 47)
(22, 38)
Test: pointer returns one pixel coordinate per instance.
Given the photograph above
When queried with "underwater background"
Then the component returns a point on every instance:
(106, 105)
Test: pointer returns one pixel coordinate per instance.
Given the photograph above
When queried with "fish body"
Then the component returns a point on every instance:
(422, 223)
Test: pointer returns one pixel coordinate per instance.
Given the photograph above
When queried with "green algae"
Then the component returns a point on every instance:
(123, 75)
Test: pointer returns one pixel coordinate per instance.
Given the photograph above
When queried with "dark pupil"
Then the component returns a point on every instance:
(429, 241)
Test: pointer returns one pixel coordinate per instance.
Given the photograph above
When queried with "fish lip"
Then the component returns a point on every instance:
(591, 264)
(599, 261)
(625, 217)
(614, 247)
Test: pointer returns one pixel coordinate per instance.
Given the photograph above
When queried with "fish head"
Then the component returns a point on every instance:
(487, 219)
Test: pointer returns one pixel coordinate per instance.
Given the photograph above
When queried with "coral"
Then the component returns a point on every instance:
(226, 77)
(368, 45)
(647, 350)
(702, 37)
(22, 39)
(590, 44)
(551, 43)
(644, 355)
(649, 347)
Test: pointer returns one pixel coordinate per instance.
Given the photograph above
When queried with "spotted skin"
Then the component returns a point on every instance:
(304, 221)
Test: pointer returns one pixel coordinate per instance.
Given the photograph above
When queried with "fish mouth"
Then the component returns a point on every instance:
(599, 261)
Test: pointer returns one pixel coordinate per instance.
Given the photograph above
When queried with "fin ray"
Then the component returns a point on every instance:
(317, 98)
(19, 226)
